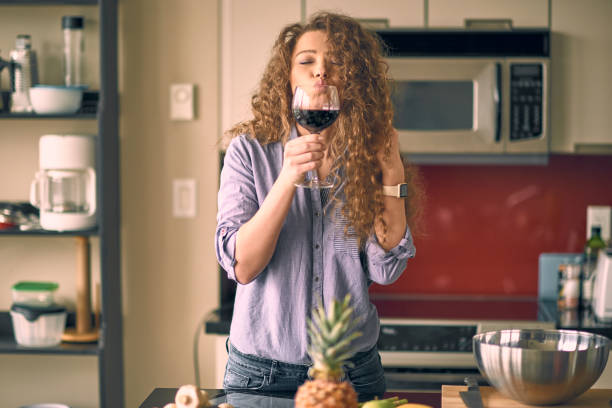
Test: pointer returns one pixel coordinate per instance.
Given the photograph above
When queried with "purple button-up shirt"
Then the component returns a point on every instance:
(313, 260)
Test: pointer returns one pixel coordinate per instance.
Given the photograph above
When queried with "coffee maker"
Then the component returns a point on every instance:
(602, 288)
(64, 189)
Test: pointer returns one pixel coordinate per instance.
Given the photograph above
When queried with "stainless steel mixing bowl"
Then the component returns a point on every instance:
(541, 367)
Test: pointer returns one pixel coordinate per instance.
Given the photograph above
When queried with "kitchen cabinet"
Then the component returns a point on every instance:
(581, 91)
(398, 13)
(452, 13)
(19, 134)
(246, 46)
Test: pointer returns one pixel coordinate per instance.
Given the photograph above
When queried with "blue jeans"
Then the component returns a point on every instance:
(246, 372)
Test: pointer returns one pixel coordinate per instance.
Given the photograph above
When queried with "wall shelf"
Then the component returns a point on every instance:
(103, 106)
(81, 233)
(50, 2)
(9, 346)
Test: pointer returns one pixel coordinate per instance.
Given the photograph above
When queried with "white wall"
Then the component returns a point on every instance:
(170, 277)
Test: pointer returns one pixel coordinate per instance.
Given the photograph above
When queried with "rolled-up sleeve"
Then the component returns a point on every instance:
(237, 201)
(385, 267)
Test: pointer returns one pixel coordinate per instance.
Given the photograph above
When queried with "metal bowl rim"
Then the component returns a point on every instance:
(605, 341)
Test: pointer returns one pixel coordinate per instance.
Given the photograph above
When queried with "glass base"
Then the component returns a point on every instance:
(320, 184)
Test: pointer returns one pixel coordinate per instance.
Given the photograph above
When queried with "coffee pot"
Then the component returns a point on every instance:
(64, 189)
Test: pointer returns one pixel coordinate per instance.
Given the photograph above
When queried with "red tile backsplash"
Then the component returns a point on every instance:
(485, 226)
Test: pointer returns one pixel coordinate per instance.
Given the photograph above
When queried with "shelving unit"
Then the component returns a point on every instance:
(109, 348)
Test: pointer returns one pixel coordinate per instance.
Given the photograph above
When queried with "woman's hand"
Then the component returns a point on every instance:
(391, 165)
(302, 154)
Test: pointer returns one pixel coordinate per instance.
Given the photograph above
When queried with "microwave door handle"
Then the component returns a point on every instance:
(497, 98)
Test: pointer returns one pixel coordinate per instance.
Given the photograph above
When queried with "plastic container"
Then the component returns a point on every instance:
(38, 326)
(34, 293)
(74, 47)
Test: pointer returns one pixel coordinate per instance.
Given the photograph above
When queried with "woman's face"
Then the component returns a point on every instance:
(311, 63)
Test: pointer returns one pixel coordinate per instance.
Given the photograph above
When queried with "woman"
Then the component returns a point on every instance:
(287, 246)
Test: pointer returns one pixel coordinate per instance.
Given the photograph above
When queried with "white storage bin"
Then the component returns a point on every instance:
(38, 326)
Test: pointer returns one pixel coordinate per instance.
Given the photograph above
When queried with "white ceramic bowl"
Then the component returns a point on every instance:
(51, 99)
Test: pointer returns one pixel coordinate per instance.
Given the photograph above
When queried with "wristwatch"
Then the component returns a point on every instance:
(399, 190)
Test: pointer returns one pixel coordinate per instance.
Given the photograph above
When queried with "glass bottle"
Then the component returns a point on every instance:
(24, 73)
(591, 252)
(74, 47)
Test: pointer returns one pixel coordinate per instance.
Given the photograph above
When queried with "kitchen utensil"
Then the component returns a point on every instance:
(83, 332)
(24, 73)
(602, 288)
(471, 397)
(38, 326)
(34, 293)
(541, 367)
(51, 99)
(65, 187)
(492, 398)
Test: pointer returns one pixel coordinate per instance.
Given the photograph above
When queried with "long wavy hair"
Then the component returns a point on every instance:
(364, 125)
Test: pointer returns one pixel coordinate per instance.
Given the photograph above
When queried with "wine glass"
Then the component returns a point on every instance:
(315, 107)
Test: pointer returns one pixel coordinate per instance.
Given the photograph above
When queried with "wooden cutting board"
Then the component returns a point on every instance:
(491, 398)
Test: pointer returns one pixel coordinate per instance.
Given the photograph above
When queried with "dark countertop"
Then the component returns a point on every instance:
(219, 320)
(162, 396)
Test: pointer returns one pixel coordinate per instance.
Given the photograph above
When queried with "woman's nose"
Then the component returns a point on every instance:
(321, 72)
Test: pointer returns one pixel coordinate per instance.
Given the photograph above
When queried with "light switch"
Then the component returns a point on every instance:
(184, 198)
(182, 101)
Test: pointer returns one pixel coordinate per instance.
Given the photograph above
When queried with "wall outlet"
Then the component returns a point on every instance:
(599, 215)
(182, 105)
(184, 192)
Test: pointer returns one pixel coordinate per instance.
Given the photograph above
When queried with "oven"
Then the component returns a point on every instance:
(426, 342)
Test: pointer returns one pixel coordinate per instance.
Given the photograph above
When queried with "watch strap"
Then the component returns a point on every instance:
(398, 190)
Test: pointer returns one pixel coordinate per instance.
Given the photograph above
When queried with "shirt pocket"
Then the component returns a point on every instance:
(344, 244)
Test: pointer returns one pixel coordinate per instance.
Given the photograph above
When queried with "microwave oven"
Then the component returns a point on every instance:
(470, 96)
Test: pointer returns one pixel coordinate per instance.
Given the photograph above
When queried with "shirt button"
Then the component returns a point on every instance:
(317, 246)
(316, 278)
(317, 214)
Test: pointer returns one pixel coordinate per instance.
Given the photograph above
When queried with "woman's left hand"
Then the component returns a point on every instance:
(391, 165)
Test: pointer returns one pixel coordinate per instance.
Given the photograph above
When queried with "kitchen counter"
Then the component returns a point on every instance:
(220, 319)
(162, 396)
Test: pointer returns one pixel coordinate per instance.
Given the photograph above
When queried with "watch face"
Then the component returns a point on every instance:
(403, 190)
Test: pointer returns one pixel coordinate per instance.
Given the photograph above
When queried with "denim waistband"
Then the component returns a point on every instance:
(357, 359)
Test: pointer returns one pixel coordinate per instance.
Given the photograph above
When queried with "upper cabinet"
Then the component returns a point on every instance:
(246, 46)
(398, 13)
(453, 13)
(581, 91)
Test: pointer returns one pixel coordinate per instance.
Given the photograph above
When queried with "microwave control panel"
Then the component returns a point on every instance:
(526, 89)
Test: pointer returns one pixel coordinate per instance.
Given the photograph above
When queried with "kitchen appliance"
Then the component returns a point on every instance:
(602, 288)
(426, 341)
(541, 367)
(470, 95)
(64, 189)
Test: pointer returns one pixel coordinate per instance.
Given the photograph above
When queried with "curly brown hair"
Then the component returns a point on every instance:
(363, 128)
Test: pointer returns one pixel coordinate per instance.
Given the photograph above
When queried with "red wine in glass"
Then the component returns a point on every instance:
(315, 120)
(315, 108)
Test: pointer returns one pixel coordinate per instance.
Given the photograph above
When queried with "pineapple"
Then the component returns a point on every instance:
(330, 341)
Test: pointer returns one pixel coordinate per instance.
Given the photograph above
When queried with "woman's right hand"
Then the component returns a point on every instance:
(302, 154)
